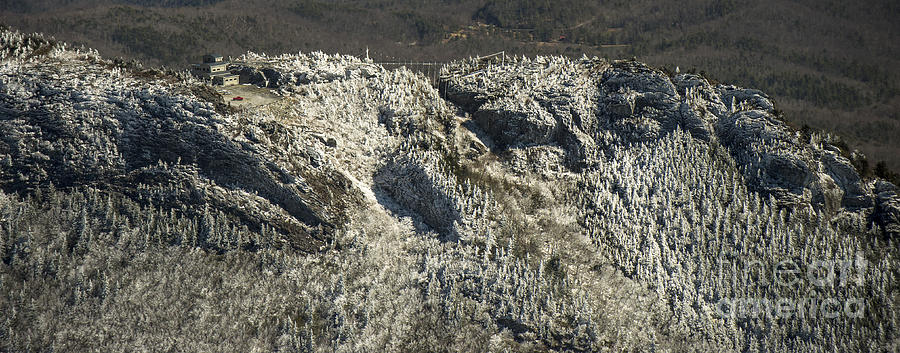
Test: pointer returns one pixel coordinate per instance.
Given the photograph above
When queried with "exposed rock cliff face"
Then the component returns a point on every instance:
(590, 107)
(888, 206)
(542, 204)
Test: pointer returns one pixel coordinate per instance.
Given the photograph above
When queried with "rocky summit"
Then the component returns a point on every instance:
(518, 204)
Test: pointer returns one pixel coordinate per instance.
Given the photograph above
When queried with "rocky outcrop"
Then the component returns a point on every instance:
(267, 77)
(250, 75)
(639, 101)
(272, 73)
(588, 106)
(513, 121)
(842, 172)
(701, 106)
(771, 155)
(532, 103)
(755, 99)
(887, 207)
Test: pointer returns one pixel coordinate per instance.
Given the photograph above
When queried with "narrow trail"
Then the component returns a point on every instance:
(582, 24)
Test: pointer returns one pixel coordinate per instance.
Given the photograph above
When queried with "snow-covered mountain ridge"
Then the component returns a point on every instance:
(528, 204)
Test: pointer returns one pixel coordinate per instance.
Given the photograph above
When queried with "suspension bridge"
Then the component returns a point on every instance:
(432, 70)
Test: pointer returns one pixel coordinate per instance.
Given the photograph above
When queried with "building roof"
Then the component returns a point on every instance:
(212, 58)
(211, 64)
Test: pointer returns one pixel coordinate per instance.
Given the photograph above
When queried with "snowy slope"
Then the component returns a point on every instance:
(545, 204)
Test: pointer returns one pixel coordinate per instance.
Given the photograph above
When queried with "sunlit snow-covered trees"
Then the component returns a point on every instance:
(363, 212)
